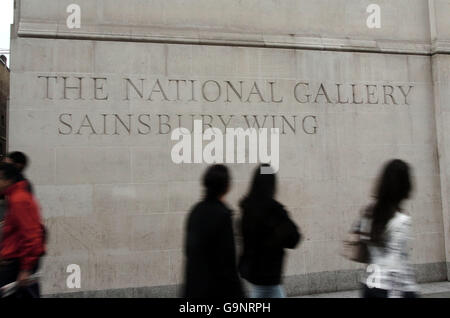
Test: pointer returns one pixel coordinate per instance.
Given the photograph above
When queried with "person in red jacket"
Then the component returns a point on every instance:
(22, 242)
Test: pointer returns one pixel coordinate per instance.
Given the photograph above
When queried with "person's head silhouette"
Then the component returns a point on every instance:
(216, 181)
(393, 186)
(18, 159)
(263, 185)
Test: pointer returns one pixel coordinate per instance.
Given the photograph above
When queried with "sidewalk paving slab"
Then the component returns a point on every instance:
(429, 290)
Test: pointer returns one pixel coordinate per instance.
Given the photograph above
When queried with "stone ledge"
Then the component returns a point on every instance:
(200, 37)
(441, 47)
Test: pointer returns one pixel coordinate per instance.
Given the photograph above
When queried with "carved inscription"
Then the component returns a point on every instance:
(104, 89)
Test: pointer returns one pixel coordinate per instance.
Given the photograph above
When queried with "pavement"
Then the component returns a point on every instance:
(429, 290)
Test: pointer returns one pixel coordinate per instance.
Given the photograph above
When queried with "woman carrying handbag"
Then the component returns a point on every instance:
(383, 237)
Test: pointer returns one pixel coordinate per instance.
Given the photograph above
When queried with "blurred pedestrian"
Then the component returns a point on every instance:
(389, 230)
(22, 244)
(20, 161)
(267, 230)
(211, 270)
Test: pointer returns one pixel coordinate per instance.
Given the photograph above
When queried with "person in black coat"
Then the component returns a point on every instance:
(211, 269)
(267, 230)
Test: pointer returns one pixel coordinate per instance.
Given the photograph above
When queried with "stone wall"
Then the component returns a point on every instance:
(4, 97)
(94, 108)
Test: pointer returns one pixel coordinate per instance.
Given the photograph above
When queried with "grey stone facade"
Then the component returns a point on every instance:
(94, 106)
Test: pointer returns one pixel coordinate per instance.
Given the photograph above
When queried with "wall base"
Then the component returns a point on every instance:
(305, 284)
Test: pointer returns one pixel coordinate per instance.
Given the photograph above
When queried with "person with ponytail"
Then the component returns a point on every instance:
(388, 273)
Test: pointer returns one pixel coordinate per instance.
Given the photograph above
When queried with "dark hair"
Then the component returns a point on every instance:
(263, 186)
(394, 185)
(216, 181)
(9, 172)
(18, 158)
(262, 189)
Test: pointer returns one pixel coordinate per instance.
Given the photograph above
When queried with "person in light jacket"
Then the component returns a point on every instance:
(389, 273)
